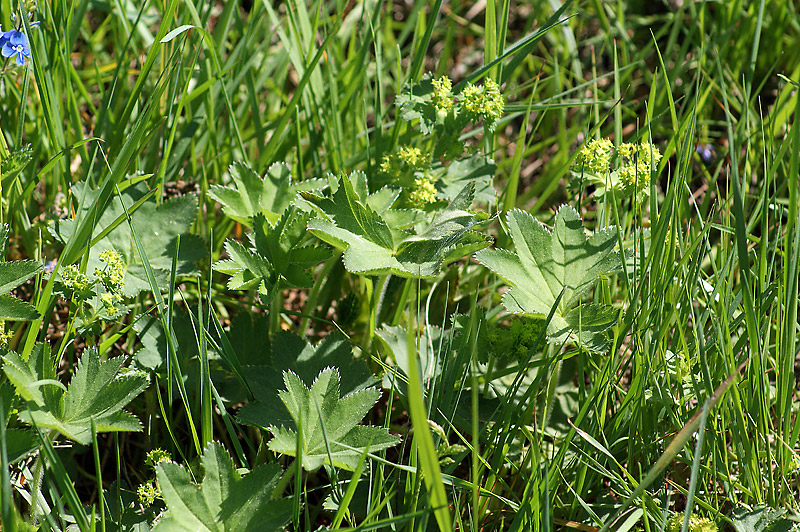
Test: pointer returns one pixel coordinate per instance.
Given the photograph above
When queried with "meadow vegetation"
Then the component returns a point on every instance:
(399, 265)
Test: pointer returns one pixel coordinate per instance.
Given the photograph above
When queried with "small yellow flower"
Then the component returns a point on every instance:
(596, 156)
(406, 159)
(696, 524)
(148, 492)
(442, 94)
(5, 337)
(156, 456)
(113, 273)
(636, 163)
(73, 280)
(412, 157)
(423, 192)
(484, 102)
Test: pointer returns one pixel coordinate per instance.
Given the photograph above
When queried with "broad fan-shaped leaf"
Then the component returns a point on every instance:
(157, 226)
(545, 263)
(275, 258)
(225, 501)
(251, 194)
(329, 423)
(761, 518)
(13, 274)
(98, 392)
(478, 169)
(289, 352)
(373, 246)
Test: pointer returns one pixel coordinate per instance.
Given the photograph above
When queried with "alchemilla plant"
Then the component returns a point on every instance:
(399, 266)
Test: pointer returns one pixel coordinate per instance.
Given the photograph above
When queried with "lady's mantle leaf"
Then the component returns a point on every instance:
(374, 246)
(157, 226)
(546, 263)
(275, 259)
(289, 352)
(13, 274)
(760, 518)
(98, 392)
(331, 433)
(225, 501)
(252, 194)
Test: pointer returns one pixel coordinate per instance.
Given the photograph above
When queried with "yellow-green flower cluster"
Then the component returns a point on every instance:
(156, 456)
(148, 492)
(442, 95)
(111, 302)
(5, 337)
(636, 161)
(696, 524)
(407, 158)
(423, 192)
(113, 273)
(74, 281)
(595, 156)
(484, 102)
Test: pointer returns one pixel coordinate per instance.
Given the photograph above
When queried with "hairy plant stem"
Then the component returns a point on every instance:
(38, 476)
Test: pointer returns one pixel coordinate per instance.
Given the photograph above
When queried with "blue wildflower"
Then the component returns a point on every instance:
(15, 44)
(706, 152)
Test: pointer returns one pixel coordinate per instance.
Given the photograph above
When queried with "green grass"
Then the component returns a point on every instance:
(693, 406)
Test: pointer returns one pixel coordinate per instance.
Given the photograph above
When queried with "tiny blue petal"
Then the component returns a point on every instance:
(16, 37)
(7, 50)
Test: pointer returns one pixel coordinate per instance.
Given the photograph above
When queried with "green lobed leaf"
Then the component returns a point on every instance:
(331, 433)
(20, 443)
(373, 246)
(98, 392)
(158, 228)
(275, 259)
(478, 169)
(15, 309)
(289, 352)
(545, 263)
(416, 102)
(13, 274)
(251, 194)
(15, 161)
(225, 500)
(760, 518)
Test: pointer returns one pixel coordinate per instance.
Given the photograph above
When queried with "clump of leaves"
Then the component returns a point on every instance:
(275, 258)
(515, 339)
(225, 501)
(440, 173)
(444, 450)
(328, 423)
(158, 227)
(97, 393)
(13, 274)
(375, 245)
(289, 352)
(547, 263)
(268, 195)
